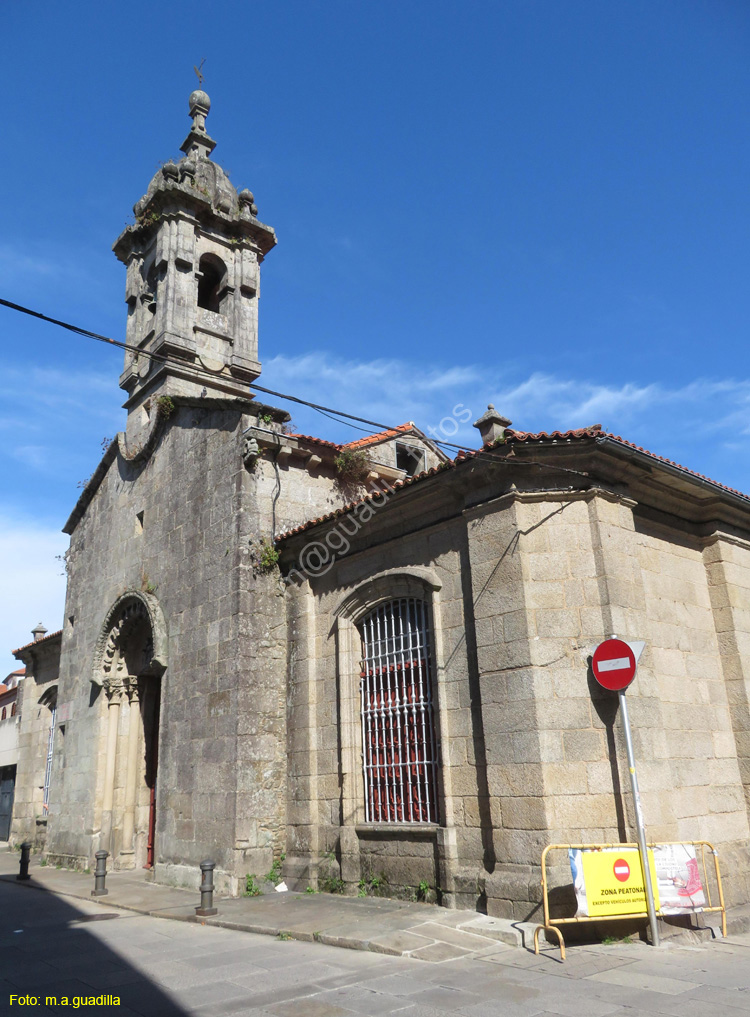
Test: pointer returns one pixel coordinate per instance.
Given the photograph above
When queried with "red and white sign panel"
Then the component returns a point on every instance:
(613, 664)
(621, 870)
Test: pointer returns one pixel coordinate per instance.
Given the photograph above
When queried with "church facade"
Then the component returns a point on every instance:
(370, 658)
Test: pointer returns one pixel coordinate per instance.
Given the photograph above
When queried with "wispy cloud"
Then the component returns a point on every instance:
(35, 455)
(34, 589)
(25, 260)
(672, 421)
(54, 420)
(24, 263)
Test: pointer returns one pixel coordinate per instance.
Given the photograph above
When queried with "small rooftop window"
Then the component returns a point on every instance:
(410, 459)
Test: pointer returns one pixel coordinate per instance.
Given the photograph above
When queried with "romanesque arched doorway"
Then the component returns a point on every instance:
(130, 661)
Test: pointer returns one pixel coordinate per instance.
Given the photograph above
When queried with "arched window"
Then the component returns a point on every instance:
(49, 699)
(13, 710)
(5, 714)
(398, 729)
(211, 282)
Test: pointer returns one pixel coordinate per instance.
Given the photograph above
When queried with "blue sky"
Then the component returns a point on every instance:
(535, 203)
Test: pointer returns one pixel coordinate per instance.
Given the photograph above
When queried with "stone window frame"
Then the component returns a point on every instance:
(49, 700)
(391, 584)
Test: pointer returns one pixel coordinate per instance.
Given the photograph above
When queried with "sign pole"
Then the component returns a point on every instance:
(641, 833)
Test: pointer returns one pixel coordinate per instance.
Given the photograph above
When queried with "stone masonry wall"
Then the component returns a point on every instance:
(29, 819)
(331, 839)
(187, 525)
(172, 526)
(588, 568)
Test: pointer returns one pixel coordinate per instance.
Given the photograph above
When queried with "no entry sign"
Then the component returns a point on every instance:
(613, 664)
(621, 870)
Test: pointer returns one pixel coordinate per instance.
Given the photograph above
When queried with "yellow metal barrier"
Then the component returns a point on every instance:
(550, 924)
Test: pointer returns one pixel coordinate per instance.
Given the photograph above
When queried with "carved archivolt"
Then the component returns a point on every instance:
(133, 615)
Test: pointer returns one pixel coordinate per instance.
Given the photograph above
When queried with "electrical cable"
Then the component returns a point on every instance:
(327, 411)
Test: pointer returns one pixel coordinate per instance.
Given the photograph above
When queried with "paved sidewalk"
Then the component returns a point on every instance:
(378, 925)
(62, 951)
(397, 928)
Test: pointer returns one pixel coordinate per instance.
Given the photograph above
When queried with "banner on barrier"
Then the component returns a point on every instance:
(609, 882)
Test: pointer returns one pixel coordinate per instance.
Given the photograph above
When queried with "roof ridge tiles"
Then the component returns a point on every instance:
(390, 432)
(530, 436)
(311, 437)
(510, 437)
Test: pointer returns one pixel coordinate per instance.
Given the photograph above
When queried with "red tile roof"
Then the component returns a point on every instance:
(38, 642)
(313, 440)
(372, 439)
(555, 436)
(510, 438)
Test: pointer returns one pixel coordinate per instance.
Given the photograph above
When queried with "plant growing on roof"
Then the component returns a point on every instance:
(165, 407)
(352, 466)
(148, 218)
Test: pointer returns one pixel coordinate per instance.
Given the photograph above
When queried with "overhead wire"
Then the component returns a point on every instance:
(339, 416)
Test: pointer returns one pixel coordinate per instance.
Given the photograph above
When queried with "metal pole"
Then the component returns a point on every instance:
(207, 891)
(24, 866)
(641, 833)
(100, 875)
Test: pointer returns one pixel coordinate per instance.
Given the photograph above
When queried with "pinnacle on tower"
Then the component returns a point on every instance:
(193, 258)
(198, 144)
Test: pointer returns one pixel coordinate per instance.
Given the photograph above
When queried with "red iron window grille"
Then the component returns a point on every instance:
(398, 730)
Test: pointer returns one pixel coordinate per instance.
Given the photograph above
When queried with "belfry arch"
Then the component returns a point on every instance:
(129, 661)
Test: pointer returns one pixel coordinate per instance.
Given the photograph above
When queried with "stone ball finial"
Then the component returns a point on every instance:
(247, 199)
(199, 102)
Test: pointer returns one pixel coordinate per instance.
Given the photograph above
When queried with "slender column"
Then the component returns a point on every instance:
(114, 690)
(128, 822)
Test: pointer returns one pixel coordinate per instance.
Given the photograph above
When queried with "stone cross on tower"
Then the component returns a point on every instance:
(193, 280)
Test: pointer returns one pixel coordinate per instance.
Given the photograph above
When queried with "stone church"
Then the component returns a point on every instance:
(371, 658)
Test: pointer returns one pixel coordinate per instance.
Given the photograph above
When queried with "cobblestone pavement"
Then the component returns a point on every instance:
(55, 945)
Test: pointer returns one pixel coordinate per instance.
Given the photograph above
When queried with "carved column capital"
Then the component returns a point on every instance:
(115, 687)
(130, 687)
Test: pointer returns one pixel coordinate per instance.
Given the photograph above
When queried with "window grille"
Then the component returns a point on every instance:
(399, 747)
(48, 768)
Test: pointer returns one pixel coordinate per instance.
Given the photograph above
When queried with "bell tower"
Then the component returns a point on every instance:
(193, 280)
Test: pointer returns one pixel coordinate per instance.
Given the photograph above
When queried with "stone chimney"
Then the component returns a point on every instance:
(491, 425)
(39, 632)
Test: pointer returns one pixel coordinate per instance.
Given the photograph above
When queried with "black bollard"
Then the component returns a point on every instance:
(25, 853)
(207, 891)
(100, 874)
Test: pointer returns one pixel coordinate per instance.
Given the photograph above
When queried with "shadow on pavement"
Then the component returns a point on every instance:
(48, 948)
